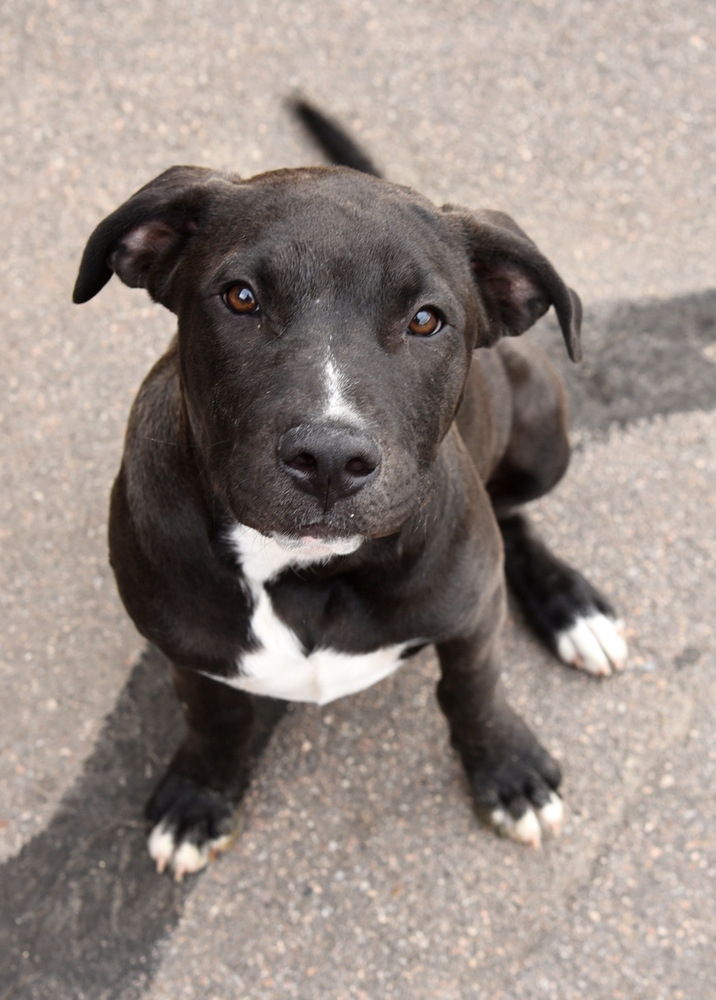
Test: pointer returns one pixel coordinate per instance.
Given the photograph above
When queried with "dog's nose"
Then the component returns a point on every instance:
(329, 461)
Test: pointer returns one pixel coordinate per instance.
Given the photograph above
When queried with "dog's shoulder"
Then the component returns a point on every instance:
(158, 497)
(155, 417)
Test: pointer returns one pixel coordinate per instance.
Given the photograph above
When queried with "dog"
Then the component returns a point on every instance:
(325, 471)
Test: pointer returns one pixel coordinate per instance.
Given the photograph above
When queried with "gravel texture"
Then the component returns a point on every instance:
(362, 871)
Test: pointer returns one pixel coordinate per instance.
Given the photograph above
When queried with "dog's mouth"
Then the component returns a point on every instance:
(297, 523)
(322, 531)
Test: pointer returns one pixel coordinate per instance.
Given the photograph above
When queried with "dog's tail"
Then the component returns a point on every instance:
(335, 143)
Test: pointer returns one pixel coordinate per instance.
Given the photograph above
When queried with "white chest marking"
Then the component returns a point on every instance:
(279, 667)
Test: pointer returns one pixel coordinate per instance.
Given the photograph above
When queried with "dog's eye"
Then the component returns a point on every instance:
(240, 299)
(425, 323)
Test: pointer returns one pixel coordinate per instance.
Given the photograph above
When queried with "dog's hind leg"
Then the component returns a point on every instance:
(566, 611)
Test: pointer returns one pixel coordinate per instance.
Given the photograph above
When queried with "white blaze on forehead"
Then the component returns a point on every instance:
(337, 406)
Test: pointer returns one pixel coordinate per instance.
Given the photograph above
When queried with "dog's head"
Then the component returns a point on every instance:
(326, 324)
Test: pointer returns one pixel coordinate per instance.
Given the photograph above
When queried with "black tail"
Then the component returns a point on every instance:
(337, 146)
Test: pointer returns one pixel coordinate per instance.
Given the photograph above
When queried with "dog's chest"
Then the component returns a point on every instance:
(279, 666)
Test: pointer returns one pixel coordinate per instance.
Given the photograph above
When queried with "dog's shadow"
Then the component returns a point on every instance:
(81, 908)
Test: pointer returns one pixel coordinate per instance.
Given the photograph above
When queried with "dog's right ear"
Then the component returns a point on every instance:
(142, 240)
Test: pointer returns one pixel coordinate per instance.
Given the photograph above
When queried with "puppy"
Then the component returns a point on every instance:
(324, 473)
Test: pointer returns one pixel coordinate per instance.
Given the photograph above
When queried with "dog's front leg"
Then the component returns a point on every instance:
(194, 810)
(513, 779)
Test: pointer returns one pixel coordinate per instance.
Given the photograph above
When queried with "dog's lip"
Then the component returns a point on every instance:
(322, 532)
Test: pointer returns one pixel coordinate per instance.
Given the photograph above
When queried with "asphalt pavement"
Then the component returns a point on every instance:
(361, 870)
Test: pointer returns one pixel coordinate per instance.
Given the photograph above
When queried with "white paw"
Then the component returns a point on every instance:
(594, 643)
(528, 829)
(182, 857)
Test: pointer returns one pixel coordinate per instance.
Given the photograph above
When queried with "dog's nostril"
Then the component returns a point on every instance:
(359, 467)
(303, 462)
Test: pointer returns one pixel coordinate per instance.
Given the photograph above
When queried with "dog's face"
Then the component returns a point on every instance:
(326, 324)
(325, 330)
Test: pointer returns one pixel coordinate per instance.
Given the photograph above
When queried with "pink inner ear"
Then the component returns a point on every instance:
(507, 282)
(517, 297)
(144, 248)
(519, 286)
(153, 236)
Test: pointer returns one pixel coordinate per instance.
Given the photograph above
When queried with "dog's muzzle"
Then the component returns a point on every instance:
(329, 461)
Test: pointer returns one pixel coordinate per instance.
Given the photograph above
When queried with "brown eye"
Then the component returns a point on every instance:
(425, 323)
(240, 299)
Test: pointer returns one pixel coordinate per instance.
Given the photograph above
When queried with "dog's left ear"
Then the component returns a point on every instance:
(517, 282)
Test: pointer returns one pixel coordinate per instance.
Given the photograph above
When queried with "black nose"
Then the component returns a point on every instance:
(329, 461)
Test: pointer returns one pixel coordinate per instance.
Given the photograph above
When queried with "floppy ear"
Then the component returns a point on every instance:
(142, 240)
(517, 282)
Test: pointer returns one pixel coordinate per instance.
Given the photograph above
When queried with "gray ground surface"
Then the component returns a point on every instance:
(362, 871)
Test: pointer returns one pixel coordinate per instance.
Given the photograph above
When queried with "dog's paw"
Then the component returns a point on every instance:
(594, 642)
(190, 826)
(516, 794)
(183, 853)
(526, 822)
(563, 607)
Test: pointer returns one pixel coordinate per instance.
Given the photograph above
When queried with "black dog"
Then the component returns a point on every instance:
(318, 471)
